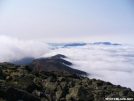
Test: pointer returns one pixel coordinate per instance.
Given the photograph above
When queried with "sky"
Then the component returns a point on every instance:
(27, 25)
(68, 20)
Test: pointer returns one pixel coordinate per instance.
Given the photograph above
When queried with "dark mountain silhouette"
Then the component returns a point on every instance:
(55, 63)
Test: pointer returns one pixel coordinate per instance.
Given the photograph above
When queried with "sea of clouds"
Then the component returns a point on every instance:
(106, 62)
(13, 49)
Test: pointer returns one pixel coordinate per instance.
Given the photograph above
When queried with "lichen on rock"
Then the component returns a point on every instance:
(19, 83)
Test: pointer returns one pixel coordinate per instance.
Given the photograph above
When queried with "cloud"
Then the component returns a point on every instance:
(13, 49)
(105, 62)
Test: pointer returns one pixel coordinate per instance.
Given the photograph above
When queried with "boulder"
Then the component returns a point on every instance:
(60, 93)
(14, 94)
(51, 85)
(38, 82)
(77, 93)
(27, 83)
(19, 83)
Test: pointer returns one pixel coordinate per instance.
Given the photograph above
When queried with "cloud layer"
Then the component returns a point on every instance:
(105, 62)
(108, 63)
(13, 49)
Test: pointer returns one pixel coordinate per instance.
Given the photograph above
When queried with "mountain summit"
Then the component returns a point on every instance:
(20, 83)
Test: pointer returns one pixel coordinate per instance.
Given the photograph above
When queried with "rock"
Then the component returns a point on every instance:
(124, 92)
(38, 82)
(78, 82)
(12, 67)
(51, 85)
(61, 79)
(19, 83)
(58, 73)
(1, 70)
(15, 78)
(41, 75)
(2, 99)
(36, 93)
(76, 94)
(67, 74)
(27, 83)
(15, 94)
(50, 79)
(108, 83)
(63, 85)
(8, 78)
(60, 93)
(28, 68)
(98, 83)
(49, 94)
(44, 99)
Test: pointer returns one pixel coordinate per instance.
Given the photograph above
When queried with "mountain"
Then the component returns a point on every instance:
(64, 45)
(20, 83)
(55, 63)
(74, 44)
(105, 43)
(67, 44)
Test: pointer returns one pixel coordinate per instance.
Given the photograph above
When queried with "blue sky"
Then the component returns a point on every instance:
(68, 20)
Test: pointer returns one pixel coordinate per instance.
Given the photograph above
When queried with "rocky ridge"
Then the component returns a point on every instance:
(55, 63)
(21, 83)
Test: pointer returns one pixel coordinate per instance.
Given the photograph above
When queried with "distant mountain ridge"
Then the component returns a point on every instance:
(105, 43)
(81, 44)
(75, 44)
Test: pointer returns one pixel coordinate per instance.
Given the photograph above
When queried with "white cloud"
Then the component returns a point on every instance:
(13, 49)
(109, 63)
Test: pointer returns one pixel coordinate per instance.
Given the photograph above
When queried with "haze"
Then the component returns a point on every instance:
(68, 20)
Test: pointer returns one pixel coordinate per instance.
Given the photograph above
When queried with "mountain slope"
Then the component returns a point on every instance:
(19, 83)
(55, 63)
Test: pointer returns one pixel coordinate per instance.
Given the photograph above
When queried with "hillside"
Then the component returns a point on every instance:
(55, 63)
(20, 83)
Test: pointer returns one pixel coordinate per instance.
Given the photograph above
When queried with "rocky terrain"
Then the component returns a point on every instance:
(21, 83)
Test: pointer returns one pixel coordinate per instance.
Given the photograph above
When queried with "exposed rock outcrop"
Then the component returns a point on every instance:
(20, 83)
